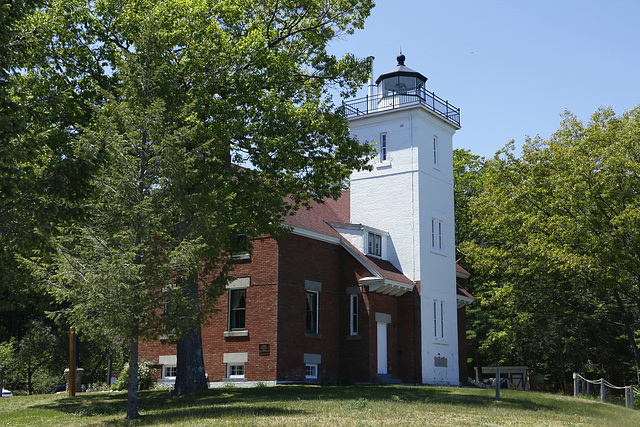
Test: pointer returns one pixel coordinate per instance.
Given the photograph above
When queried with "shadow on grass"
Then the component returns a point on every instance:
(160, 407)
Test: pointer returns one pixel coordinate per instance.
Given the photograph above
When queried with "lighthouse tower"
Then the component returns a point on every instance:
(408, 196)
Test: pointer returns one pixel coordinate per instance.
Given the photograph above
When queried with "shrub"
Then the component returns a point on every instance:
(146, 377)
(43, 381)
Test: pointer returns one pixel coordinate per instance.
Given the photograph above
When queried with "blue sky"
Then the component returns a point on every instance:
(511, 66)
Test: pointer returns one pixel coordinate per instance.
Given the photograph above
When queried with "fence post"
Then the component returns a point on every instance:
(588, 391)
(576, 385)
(498, 383)
(631, 397)
(626, 397)
(602, 390)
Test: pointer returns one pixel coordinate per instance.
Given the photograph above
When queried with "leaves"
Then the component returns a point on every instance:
(558, 227)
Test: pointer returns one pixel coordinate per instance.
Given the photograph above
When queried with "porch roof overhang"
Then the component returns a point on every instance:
(462, 300)
(386, 286)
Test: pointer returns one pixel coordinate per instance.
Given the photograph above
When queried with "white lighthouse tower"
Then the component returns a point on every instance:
(409, 197)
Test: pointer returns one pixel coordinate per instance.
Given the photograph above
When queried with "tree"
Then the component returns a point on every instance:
(564, 219)
(36, 349)
(42, 179)
(467, 179)
(173, 102)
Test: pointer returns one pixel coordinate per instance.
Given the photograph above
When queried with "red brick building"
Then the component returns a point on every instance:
(309, 307)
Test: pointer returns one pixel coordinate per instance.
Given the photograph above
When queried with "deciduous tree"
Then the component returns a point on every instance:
(564, 216)
(177, 92)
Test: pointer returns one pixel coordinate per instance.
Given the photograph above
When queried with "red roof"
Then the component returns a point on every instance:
(318, 219)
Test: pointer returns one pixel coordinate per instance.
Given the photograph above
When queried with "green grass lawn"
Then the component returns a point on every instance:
(303, 405)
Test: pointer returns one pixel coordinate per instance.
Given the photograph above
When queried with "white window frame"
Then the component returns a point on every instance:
(231, 310)
(353, 315)
(438, 321)
(167, 370)
(442, 320)
(383, 147)
(435, 150)
(311, 371)
(437, 230)
(235, 370)
(374, 244)
(435, 319)
(314, 311)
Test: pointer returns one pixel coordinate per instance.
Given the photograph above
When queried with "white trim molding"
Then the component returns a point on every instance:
(386, 286)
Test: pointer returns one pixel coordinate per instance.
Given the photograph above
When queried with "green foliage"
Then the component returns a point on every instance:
(35, 351)
(556, 248)
(146, 377)
(467, 179)
(7, 353)
(137, 116)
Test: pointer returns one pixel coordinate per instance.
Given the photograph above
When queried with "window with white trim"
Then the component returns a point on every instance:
(235, 370)
(438, 319)
(311, 371)
(435, 319)
(383, 146)
(374, 244)
(353, 314)
(442, 319)
(312, 312)
(237, 309)
(435, 150)
(169, 371)
(436, 234)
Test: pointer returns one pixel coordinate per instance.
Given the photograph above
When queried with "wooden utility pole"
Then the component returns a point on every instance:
(72, 362)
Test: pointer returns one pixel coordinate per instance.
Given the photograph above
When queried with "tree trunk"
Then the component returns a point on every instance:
(29, 374)
(190, 375)
(132, 397)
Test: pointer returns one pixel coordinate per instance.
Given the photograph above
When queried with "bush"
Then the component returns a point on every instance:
(43, 381)
(146, 377)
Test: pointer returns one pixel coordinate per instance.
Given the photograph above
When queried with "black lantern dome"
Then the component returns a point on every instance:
(400, 80)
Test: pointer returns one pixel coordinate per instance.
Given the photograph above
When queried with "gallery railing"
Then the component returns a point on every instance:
(377, 103)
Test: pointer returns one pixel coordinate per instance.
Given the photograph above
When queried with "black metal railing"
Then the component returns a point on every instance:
(378, 103)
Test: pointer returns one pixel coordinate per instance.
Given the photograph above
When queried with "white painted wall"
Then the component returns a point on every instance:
(401, 195)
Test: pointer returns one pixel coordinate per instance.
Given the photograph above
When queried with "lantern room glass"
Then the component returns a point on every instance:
(400, 85)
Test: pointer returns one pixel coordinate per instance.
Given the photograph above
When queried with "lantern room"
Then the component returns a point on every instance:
(401, 80)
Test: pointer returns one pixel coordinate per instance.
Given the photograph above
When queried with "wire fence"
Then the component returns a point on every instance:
(581, 382)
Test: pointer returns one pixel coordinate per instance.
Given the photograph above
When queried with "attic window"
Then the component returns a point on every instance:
(375, 244)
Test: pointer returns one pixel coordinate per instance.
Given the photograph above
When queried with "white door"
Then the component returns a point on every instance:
(382, 348)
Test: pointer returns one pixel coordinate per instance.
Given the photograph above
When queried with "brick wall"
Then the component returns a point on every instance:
(306, 259)
(354, 351)
(409, 360)
(276, 316)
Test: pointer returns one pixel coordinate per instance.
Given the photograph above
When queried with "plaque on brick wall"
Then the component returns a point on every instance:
(440, 362)
(263, 349)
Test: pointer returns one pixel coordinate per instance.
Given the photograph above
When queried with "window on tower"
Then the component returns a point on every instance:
(383, 147)
(435, 150)
(436, 234)
(438, 320)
